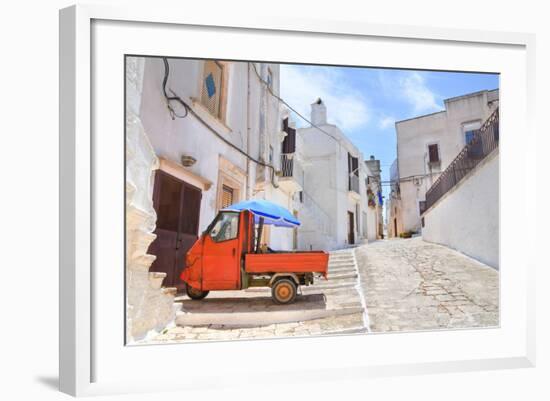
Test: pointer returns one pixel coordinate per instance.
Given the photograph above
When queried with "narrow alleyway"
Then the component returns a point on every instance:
(384, 286)
(410, 284)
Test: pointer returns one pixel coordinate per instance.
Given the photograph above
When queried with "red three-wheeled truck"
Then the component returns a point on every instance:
(229, 256)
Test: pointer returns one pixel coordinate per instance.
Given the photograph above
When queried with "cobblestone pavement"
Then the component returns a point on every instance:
(325, 308)
(411, 285)
(384, 286)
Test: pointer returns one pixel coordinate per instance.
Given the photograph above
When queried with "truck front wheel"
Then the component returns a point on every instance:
(195, 294)
(284, 291)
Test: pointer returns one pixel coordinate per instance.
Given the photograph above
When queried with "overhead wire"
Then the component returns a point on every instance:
(188, 110)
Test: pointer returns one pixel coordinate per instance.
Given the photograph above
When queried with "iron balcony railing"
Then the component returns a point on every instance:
(291, 168)
(484, 141)
(353, 184)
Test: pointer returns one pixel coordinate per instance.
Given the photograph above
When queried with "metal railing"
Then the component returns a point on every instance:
(353, 184)
(291, 168)
(484, 141)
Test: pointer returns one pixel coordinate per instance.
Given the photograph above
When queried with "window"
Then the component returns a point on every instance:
(270, 154)
(469, 130)
(289, 142)
(433, 153)
(212, 87)
(353, 169)
(226, 227)
(469, 136)
(228, 194)
(301, 194)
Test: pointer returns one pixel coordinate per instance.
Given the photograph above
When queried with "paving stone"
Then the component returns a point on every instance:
(412, 285)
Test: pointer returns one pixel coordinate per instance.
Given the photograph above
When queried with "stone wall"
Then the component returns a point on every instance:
(149, 306)
(467, 217)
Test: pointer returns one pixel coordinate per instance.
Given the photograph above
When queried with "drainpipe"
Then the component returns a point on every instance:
(248, 180)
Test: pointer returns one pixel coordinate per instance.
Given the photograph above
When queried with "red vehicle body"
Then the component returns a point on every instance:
(227, 256)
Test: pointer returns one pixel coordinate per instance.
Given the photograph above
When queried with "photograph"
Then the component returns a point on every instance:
(276, 200)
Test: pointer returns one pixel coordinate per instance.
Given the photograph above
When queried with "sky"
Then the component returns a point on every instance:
(366, 102)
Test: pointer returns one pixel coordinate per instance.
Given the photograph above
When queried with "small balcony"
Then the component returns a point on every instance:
(292, 173)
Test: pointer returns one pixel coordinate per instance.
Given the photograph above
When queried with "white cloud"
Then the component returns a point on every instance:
(415, 91)
(412, 88)
(386, 122)
(346, 107)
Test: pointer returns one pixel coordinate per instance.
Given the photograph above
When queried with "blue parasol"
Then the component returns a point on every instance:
(271, 212)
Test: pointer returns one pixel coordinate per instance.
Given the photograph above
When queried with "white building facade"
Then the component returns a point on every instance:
(426, 145)
(333, 206)
(203, 134)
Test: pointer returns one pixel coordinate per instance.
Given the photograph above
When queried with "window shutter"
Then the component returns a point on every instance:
(433, 153)
(289, 143)
(211, 88)
(227, 196)
(355, 165)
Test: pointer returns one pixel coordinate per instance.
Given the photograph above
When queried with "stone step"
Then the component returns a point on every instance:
(347, 254)
(255, 319)
(340, 258)
(341, 265)
(341, 284)
(341, 276)
(352, 330)
(342, 269)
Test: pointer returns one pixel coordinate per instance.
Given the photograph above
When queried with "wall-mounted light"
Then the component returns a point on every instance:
(187, 160)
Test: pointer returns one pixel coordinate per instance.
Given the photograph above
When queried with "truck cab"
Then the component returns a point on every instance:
(228, 256)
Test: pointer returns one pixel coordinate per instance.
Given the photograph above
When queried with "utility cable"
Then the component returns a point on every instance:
(270, 90)
(188, 110)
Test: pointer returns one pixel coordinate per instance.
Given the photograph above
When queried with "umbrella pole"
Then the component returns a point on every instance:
(260, 229)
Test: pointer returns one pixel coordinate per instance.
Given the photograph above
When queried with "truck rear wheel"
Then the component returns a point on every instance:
(284, 291)
(195, 294)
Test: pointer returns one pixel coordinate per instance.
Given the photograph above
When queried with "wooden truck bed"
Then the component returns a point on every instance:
(291, 262)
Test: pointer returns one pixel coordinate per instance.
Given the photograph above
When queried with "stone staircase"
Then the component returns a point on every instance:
(337, 298)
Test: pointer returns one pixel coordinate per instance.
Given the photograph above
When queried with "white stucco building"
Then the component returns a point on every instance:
(201, 135)
(426, 145)
(333, 207)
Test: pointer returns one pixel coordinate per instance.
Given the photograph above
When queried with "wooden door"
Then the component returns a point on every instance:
(177, 205)
(351, 228)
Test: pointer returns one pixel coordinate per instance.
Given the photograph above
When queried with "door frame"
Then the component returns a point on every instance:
(351, 228)
(156, 194)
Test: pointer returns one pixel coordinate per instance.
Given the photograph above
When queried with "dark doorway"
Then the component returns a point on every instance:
(395, 227)
(177, 204)
(351, 228)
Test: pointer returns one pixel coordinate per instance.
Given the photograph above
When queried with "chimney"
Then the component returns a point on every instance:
(318, 112)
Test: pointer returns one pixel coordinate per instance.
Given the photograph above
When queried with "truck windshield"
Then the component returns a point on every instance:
(226, 227)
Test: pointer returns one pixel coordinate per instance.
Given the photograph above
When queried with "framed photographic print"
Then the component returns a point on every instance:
(286, 188)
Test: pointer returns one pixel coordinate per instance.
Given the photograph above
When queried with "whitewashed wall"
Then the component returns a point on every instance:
(149, 307)
(444, 128)
(327, 200)
(467, 217)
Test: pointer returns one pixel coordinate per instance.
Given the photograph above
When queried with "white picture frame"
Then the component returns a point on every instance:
(87, 362)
